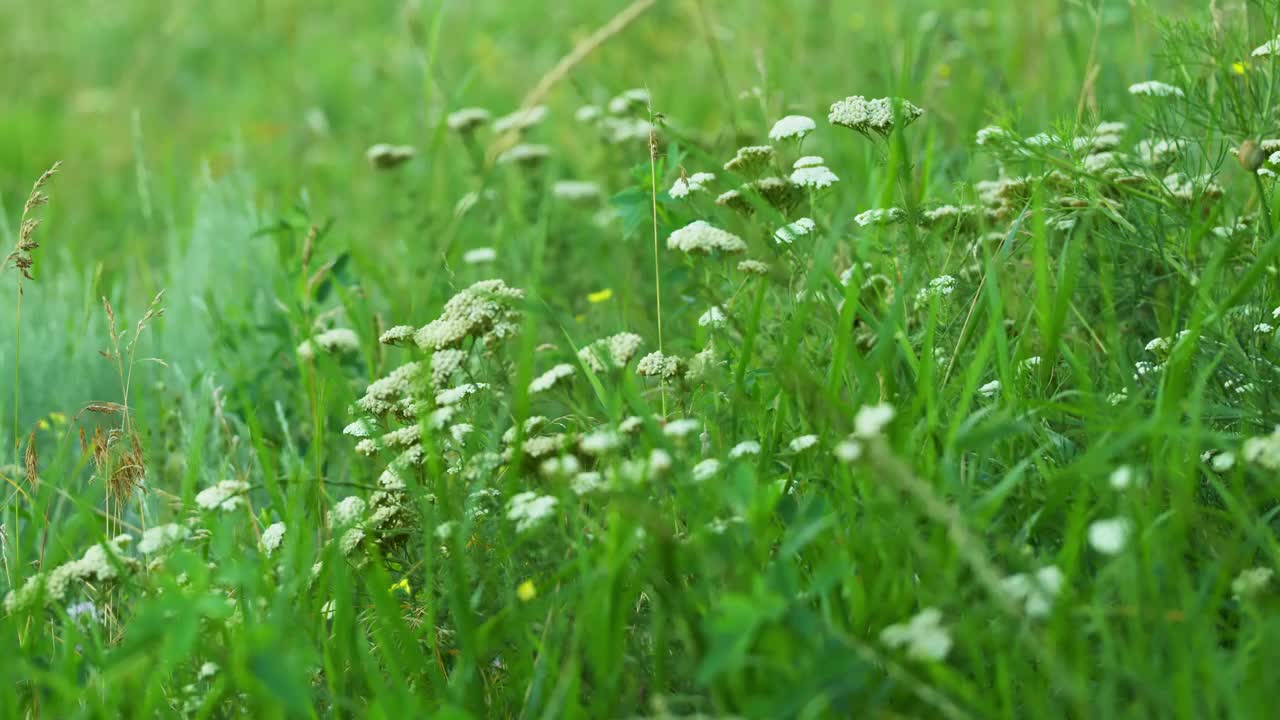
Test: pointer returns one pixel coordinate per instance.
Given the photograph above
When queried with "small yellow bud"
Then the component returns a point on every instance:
(526, 591)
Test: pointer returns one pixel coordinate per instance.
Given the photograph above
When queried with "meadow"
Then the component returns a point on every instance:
(664, 359)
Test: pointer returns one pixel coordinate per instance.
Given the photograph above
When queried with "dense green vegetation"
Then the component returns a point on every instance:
(950, 394)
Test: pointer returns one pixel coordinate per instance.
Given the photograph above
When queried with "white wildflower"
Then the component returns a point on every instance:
(479, 255)
(1110, 536)
(528, 509)
(802, 443)
(1263, 450)
(1270, 47)
(713, 317)
(599, 442)
(786, 234)
(520, 119)
(681, 427)
(871, 420)
(744, 448)
(272, 537)
(992, 134)
(696, 182)
(1122, 477)
(1154, 88)
(848, 451)
(750, 158)
(706, 469)
(524, 154)
(225, 495)
(467, 120)
(923, 636)
(657, 364)
(880, 216)
(385, 157)
(989, 389)
(1264, 328)
(548, 379)
(1251, 582)
(867, 116)
(1035, 592)
(792, 126)
(575, 190)
(816, 177)
(348, 511)
(587, 113)
(699, 237)
(455, 395)
(159, 537)
(562, 466)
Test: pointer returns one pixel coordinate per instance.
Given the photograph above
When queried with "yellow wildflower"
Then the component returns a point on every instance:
(526, 591)
(600, 295)
(402, 585)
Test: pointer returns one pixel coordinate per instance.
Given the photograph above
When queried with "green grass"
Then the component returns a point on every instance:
(217, 152)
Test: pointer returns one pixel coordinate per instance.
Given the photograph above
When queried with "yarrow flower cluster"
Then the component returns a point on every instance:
(811, 172)
(696, 182)
(1155, 88)
(923, 636)
(548, 379)
(614, 351)
(878, 116)
(702, 238)
(792, 127)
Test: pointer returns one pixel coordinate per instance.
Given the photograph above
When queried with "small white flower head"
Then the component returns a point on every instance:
(1249, 583)
(753, 267)
(600, 442)
(815, 177)
(657, 364)
(1221, 461)
(792, 126)
(225, 495)
(1276, 313)
(1263, 328)
(1098, 162)
(1110, 536)
(714, 317)
(337, 340)
(460, 431)
(362, 428)
(1154, 88)
(1111, 128)
(990, 389)
(1031, 363)
(562, 466)
(802, 443)
(750, 159)
(398, 335)
(1122, 477)
(468, 120)
(702, 238)
(576, 190)
(157, 538)
(455, 395)
(1156, 153)
(613, 351)
(1034, 592)
(208, 670)
(1263, 450)
(744, 448)
(993, 135)
(706, 469)
(659, 461)
(871, 420)
(848, 451)
(787, 234)
(1157, 345)
(923, 636)
(681, 427)
(548, 379)
(272, 537)
(587, 113)
(696, 182)
(629, 100)
(526, 154)
(880, 216)
(520, 119)
(348, 511)
(384, 157)
(938, 287)
(586, 482)
(529, 509)
(878, 116)
(479, 255)
(1268, 48)
(1117, 398)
